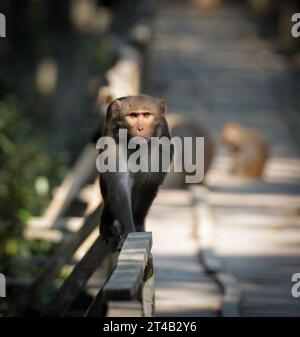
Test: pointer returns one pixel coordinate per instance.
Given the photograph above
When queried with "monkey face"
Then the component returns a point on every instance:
(141, 115)
(140, 123)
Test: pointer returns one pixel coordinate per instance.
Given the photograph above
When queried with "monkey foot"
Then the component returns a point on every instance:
(121, 242)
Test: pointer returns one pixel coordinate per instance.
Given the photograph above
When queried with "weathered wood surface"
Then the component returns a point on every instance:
(148, 297)
(263, 257)
(232, 294)
(71, 224)
(127, 278)
(98, 308)
(124, 309)
(45, 234)
(144, 307)
(129, 289)
(231, 289)
(182, 287)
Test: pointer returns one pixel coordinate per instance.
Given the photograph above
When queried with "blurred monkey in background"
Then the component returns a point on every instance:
(248, 149)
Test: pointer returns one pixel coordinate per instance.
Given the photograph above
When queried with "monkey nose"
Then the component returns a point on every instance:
(140, 129)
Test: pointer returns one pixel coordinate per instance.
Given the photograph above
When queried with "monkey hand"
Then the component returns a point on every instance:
(121, 241)
(123, 237)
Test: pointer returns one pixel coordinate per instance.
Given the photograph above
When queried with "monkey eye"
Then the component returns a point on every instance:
(133, 115)
(146, 114)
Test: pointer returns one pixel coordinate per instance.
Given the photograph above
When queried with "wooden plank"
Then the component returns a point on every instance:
(78, 278)
(210, 262)
(90, 192)
(71, 224)
(61, 257)
(46, 234)
(73, 182)
(127, 278)
(257, 221)
(98, 308)
(229, 284)
(24, 282)
(257, 186)
(254, 194)
(206, 228)
(86, 245)
(232, 294)
(124, 309)
(255, 200)
(203, 219)
(148, 295)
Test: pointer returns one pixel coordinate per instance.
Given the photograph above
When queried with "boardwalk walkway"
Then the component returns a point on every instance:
(212, 67)
(181, 286)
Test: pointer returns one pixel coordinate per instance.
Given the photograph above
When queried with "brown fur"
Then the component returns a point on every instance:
(248, 149)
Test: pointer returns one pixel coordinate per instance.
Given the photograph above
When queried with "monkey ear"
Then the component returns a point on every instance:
(113, 109)
(117, 104)
(104, 96)
(109, 99)
(162, 106)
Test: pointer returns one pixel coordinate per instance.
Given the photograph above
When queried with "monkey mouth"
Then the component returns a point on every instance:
(143, 136)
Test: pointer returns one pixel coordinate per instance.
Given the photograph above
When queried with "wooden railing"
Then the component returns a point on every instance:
(129, 291)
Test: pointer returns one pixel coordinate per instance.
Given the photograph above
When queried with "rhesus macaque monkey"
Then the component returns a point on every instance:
(248, 148)
(179, 127)
(128, 196)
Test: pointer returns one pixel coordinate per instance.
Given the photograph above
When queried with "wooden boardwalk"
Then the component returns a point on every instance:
(213, 67)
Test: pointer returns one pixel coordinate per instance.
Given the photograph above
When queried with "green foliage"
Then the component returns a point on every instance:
(25, 170)
(100, 54)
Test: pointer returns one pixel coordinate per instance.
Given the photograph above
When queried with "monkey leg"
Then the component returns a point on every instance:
(142, 204)
(118, 198)
(106, 224)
